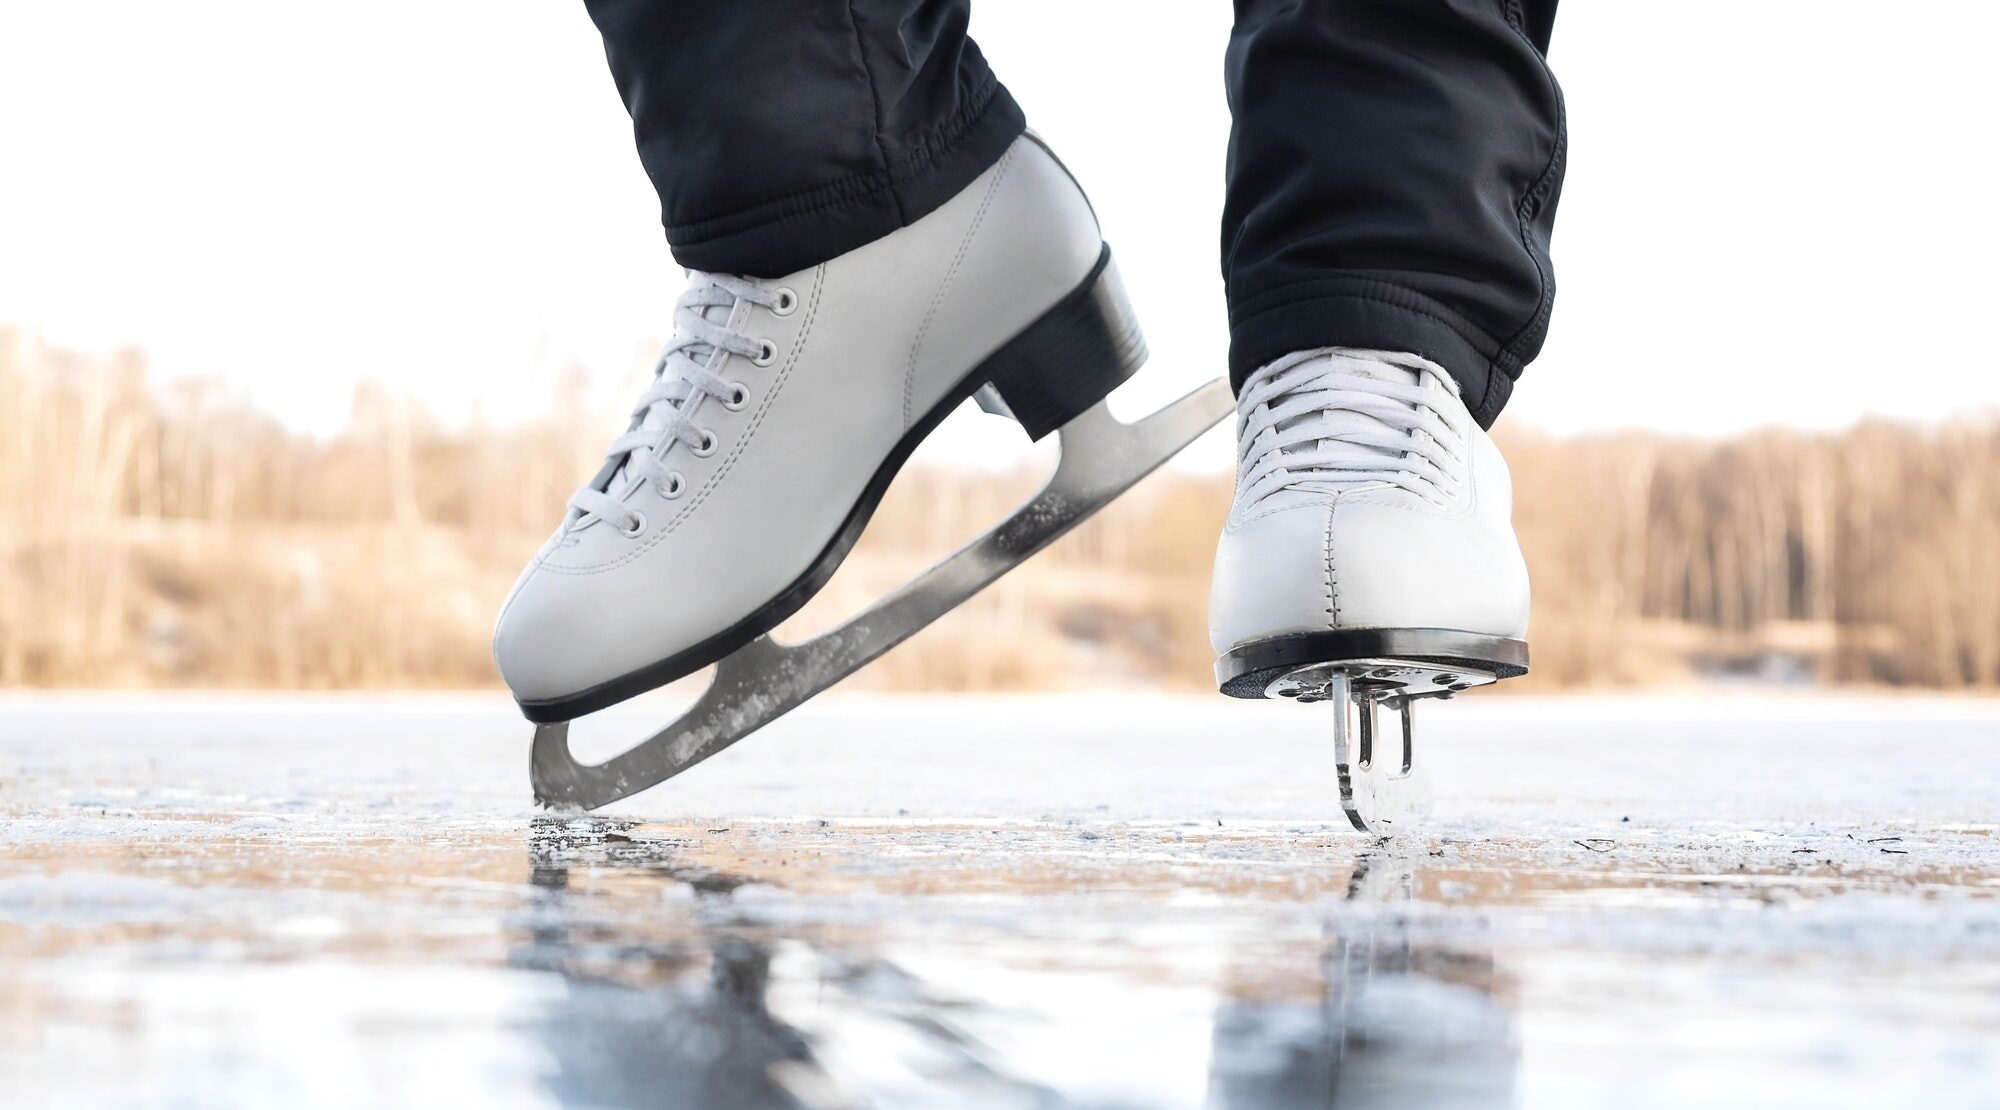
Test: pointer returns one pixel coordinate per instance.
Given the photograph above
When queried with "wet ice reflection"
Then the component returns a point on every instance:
(930, 903)
(731, 1011)
(1396, 1024)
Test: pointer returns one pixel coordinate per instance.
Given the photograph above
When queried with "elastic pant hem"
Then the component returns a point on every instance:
(1375, 314)
(791, 233)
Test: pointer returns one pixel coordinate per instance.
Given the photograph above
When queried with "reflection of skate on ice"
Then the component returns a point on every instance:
(779, 414)
(1401, 1020)
(1369, 559)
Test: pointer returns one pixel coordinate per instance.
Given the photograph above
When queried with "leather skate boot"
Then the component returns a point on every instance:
(780, 412)
(1369, 558)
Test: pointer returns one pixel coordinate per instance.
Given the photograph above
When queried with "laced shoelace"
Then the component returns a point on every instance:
(1341, 422)
(660, 419)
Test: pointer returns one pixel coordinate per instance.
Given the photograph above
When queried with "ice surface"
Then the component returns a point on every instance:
(1132, 901)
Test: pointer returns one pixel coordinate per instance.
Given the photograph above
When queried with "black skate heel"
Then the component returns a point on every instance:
(1359, 672)
(1278, 667)
(1069, 359)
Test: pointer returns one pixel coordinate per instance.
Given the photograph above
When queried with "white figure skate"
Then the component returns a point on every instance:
(779, 414)
(1369, 560)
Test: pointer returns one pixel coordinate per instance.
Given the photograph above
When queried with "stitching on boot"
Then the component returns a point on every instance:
(937, 299)
(1332, 582)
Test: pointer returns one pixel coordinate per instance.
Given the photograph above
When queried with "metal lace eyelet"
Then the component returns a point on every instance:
(707, 445)
(673, 487)
(788, 302)
(767, 353)
(637, 526)
(739, 395)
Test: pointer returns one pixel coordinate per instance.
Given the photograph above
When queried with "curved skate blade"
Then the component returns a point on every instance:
(1100, 458)
(1383, 788)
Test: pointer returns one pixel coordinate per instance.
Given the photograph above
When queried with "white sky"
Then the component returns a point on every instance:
(1777, 212)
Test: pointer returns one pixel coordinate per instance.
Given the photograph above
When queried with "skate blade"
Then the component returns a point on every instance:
(1384, 789)
(1100, 458)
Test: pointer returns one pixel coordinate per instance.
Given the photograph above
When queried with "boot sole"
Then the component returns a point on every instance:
(1248, 670)
(1069, 359)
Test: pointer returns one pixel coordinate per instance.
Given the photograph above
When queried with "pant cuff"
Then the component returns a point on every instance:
(791, 233)
(1373, 314)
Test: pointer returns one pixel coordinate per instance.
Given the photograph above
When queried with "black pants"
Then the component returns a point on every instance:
(1392, 172)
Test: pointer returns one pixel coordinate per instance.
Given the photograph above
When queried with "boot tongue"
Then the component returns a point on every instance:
(1336, 424)
(1375, 365)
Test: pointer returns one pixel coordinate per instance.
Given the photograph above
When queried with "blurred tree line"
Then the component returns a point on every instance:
(177, 536)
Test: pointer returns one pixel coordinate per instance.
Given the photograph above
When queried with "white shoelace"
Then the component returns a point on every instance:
(660, 420)
(1342, 421)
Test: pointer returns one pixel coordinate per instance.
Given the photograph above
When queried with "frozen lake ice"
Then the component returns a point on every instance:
(1051, 901)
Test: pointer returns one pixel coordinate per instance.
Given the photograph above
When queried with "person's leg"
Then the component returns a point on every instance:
(1393, 173)
(782, 133)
